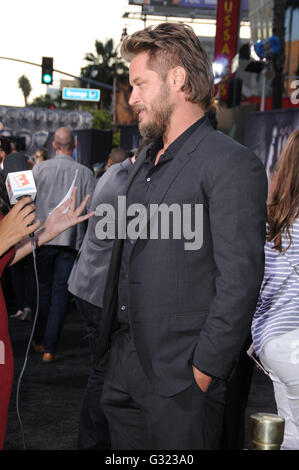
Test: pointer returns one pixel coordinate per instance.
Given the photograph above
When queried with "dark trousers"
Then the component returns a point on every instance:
(54, 264)
(93, 426)
(238, 388)
(139, 418)
(90, 315)
(23, 283)
(17, 275)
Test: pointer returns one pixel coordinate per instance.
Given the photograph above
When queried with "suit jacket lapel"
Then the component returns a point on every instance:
(175, 167)
(136, 167)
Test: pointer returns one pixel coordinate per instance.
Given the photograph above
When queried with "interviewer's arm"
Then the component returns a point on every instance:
(56, 223)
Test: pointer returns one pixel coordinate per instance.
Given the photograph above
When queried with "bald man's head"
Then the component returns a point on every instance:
(64, 141)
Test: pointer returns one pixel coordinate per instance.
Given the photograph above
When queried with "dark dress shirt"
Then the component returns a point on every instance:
(145, 181)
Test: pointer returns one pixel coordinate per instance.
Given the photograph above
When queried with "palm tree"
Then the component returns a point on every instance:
(25, 86)
(105, 66)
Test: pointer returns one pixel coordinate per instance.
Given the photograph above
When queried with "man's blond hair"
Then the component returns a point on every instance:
(170, 45)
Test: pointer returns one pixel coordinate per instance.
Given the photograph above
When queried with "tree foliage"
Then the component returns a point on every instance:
(104, 65)
(45, 101)
(53, 101)
(101, 119)
(25, 86)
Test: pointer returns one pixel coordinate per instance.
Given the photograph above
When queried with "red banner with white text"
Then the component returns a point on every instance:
(227, 34)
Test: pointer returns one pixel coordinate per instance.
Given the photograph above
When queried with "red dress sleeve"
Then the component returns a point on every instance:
(6, 257)
(6, 356)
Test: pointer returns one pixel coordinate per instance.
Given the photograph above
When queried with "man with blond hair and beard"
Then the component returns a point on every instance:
(175, 317)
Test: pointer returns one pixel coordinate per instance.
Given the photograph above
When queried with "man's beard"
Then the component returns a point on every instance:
(161, 113)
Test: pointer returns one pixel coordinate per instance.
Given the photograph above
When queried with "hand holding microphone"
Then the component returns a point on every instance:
(21, 190)
(19, 180)
(16, 224)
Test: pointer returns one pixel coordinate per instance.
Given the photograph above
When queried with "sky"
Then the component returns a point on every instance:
(63, 29)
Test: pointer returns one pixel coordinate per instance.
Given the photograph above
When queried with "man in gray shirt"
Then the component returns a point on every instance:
(53, 179)
(87, 283)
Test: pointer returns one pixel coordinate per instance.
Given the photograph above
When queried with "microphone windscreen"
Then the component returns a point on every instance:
(20, 184)
(15, 161)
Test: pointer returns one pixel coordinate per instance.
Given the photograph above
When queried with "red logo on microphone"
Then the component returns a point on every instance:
(21, 180)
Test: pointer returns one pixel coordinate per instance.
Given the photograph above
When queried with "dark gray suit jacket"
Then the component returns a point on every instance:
(88, 277)
(196, 307)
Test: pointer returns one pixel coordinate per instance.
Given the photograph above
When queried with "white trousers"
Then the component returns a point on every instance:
(280, 356)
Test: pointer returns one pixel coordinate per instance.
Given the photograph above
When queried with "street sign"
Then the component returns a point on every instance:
(80, 94)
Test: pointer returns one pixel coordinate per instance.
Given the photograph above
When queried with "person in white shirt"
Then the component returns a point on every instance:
(275, 326)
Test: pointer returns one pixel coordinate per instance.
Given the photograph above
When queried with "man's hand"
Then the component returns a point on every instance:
(202, 380)
(15, 225)
(57, 222)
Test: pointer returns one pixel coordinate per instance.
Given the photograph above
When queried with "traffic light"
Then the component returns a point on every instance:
(47, 70)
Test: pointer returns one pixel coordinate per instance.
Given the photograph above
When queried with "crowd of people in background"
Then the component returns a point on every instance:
(54, 262)
(21, 276)
(167, 327)
(16, 224)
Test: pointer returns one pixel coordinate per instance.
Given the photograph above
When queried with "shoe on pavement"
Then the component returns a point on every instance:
(27, 314)
(49, 357)
(37, 347)
(18, 314)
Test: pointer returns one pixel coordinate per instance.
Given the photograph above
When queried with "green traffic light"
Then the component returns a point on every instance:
(47, 78)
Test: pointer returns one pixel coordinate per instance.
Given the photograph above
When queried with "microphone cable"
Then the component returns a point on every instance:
(29, 343)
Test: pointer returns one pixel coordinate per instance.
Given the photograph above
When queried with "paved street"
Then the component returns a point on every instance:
(50, 394)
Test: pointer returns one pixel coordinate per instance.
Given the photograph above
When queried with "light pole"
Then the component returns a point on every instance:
(263, 93)
(114, 87)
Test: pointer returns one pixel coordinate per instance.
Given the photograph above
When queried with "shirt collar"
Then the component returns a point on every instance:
(175, 146)
(60, 155)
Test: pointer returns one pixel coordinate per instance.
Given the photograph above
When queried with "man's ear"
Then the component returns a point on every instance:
(178, 77)
(54, 145)
(109, 163)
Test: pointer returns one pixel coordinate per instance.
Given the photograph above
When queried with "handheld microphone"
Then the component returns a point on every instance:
(19, 178)
(20, 184)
